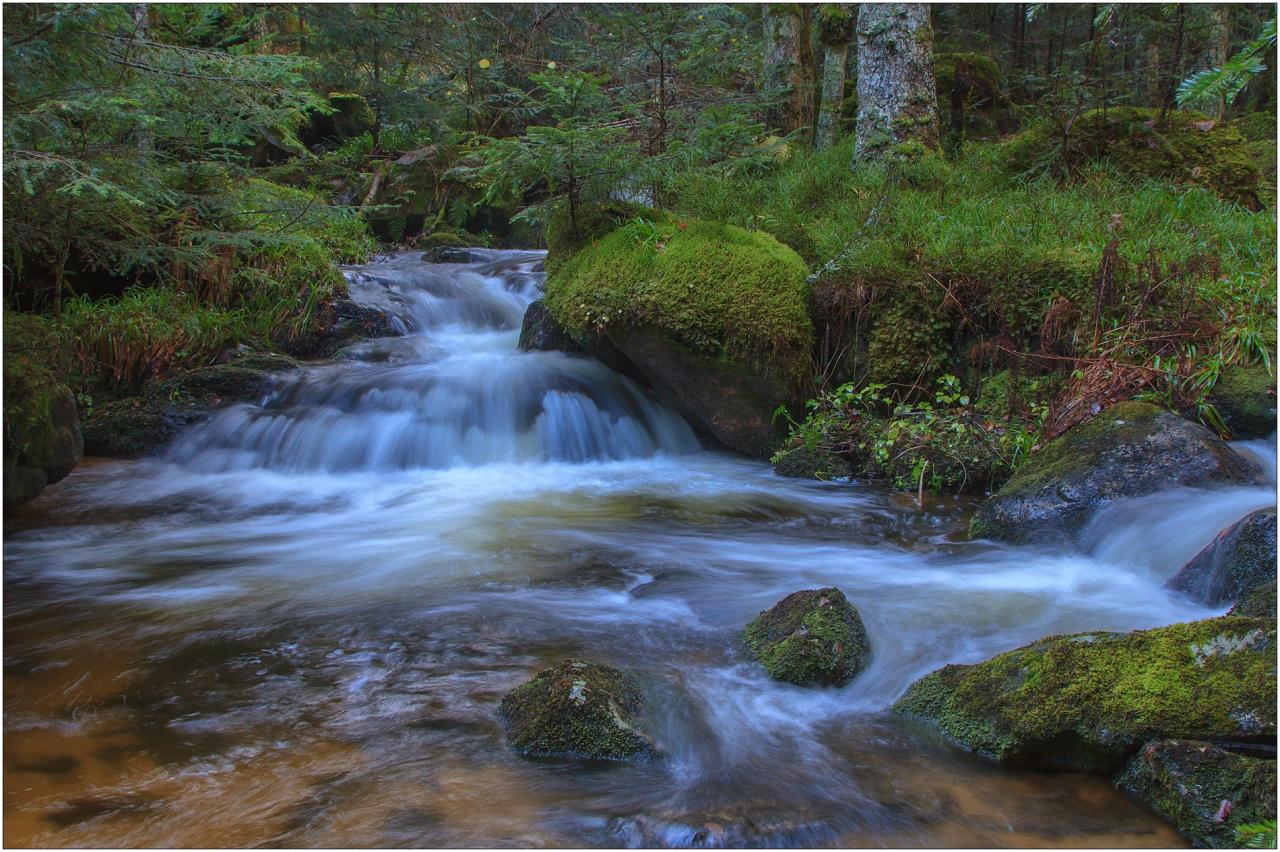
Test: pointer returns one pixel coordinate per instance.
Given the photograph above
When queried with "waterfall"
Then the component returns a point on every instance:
(454, 391)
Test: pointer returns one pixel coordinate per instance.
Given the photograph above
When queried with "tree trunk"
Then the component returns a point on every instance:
(783, 70)
(1220, 50)
(836, 31)
(897, 101)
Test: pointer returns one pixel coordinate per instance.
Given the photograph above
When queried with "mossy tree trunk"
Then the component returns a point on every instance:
(783, 67)
(897, 101)
(835, 30)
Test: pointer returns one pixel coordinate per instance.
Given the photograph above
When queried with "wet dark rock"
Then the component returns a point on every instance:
(810, 637)
(1246, 399)
(1204, 791)
(577, 709)
(1131, 449)
(1239, 561)
(452, 254)
(42, 436)
(1089, 700)
(540, 332)
(338, 324)
(144, 424)
(806, 463)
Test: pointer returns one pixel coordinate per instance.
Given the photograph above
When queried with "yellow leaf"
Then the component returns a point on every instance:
(484, 63)
(552, 65)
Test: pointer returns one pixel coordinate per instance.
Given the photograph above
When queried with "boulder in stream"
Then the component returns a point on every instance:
(713, 318)
(337, 324)
(539, 332)
(42, 438)
(1204, 791)
(810, 637)
(1240, 560)
(577, 709)
(1088, 701)
(143, 424)
(1131, 449)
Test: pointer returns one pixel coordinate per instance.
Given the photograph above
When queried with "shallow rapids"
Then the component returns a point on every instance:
(295, 627)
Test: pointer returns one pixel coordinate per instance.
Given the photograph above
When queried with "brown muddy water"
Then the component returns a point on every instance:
(294, 627)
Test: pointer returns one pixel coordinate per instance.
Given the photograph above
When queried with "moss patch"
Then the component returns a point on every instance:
(1205, 792)
(810, 637)
(577, 709)
(716, 289)
(1088, 701)
(1183, 146)
(1246, 399)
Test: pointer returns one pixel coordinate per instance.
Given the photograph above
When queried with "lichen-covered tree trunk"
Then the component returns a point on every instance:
(783, 69)
(835, 31)
(897, 101)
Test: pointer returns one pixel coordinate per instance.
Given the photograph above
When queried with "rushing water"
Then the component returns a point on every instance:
(296, 626)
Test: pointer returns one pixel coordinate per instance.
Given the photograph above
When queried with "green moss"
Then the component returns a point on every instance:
(442, 238)
(42, 441)
(811, 463)
(1187, 782)
(812, 636)
(565, 238)
(352, 115)
(1184, 147)
(716, 289)
(577, 709)
(1257, 127)
(1087, 701)
(1245, 396)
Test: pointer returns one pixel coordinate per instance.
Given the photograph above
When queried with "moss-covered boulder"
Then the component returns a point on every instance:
(1130, 449)
(1088, 701)
(539, 332)
(1259, 603)
(337, 324)
(1204, 791)
(144, 424)
(712, 317)
(1239, 560)
(810, 637)
(1178, 146)
(577, 709)
(42, 439)
(1246, 399)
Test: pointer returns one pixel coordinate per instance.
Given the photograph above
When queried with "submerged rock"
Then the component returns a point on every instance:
(577, 709)
(1131, 449)
(1089, 700)
(810, 637)
(541, 333)
(1240, 560)
(1204, 791)
(753, 825)
(1246, 399)
(141, 425)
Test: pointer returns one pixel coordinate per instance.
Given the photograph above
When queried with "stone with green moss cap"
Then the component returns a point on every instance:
(714, 318)
(1204, 791)
(1240, 560)
(577, 709)
(810, 637)
(1131, 449)
(1088, 701)
(1245, 396)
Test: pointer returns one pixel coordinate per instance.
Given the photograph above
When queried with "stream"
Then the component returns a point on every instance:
(294, 627)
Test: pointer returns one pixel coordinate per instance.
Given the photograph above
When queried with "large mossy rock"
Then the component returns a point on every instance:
(712, 317)
(1205, 792)
(143, 424)
(1178, 146)
(577, 709)
(1240, 560)
(1088, 701)
(42, 439)
(810, 637)
(1246, 399)
(337, 324)
(1131, 449)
